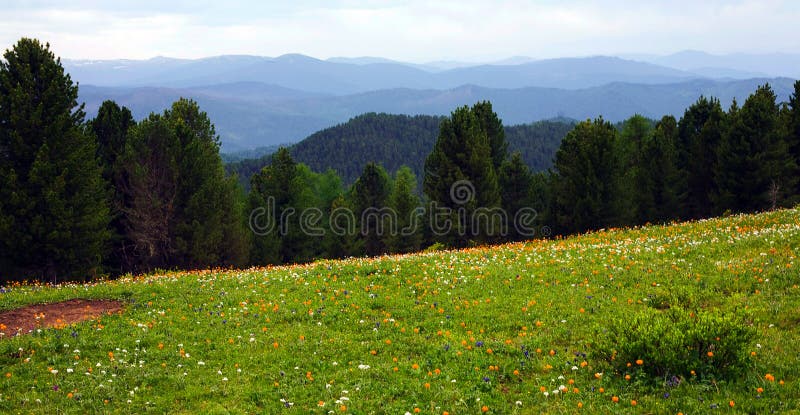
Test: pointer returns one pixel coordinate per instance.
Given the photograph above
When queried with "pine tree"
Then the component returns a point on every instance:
(636, 201)
(792, 136)
(753, 161)
(586, 185)
(180, 209)
(370, 198)
(699, 133)
(493, 127)
(403, 200)
(53, 203)
(110, 127)
(660, 170)
(515, 192)
(272, 190)
(460, 176)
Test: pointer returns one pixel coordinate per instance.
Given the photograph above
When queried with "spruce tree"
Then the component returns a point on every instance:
(699, 133)
(180, 209)
(515, 191)
(660, 170)
(460, 176)
(370, 198)
(110, 127)
(403, 200)
(753, 161)
(792, 137)
(586, 185)
(272, 190)
(54, 211)
(493, 127)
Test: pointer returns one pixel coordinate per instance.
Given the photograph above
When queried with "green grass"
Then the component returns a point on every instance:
(452, 331)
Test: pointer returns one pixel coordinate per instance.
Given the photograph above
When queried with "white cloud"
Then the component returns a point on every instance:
(415, 30)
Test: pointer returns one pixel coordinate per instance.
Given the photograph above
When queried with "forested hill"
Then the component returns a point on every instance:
(396, 140)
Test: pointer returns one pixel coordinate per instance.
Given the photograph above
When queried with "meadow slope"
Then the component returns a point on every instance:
(518, 328)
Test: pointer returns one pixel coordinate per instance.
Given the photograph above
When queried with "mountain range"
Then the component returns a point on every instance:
(260, 101)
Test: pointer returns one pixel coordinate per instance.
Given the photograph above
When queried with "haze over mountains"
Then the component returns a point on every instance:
(259, 101)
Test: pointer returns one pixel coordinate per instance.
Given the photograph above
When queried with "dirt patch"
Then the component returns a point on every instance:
(26, 319)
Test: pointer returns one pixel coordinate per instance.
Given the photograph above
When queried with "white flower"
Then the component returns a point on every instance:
(363, 367)
(69, 370)
(201, 363)
(545, 394)
(518, 403)
(54, 371)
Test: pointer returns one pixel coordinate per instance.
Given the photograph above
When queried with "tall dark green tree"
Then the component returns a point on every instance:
(491, 124)
(755, 166)
(53, 204)
(792, 137)
(273, 192)
(181, 209)
(371, 200)
(404, 201)
(586, 182)
(636, 203)
(515, 192)
(699, 133)
(110, 127)
(460, 176)
(659, 177)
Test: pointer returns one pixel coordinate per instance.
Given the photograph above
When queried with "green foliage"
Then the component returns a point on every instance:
(515, 191)
(53, 208)
(110, 127)
(680, 342)
(754, 162)
(370, 198)
(586, 183)
(462, 158)
(403, 200)
(699, 134)
(396, 140)
(180, 208)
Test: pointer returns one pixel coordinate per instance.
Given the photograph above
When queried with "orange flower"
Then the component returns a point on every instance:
(615, 399)
(580, 405)
(710, 354)
(640, 362)
(8, 374)
(484, 408)
(769, 377)
(633, 403)
(731, 404)
(415, 366)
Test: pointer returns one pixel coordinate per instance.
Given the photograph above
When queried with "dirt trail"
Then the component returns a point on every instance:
(26, 319)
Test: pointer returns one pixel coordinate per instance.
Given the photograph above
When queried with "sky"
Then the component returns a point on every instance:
(407, 30)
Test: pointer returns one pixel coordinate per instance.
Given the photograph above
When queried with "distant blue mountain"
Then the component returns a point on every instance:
(250, 115)
(348, 76)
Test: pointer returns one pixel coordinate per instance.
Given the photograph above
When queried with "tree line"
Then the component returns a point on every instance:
(81, 199)
(394, 140)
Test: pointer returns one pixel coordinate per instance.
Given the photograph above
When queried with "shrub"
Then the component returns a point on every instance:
(677, 341)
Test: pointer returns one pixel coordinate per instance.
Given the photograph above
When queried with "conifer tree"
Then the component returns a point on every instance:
(54, 211)
(403, 200)
(460, 176)
(587, 169)
(515, 191)
(272, 189)
(110, 127)
(699, 133)
(370, 198)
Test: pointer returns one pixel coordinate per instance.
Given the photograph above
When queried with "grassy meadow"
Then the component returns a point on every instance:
(537, 327)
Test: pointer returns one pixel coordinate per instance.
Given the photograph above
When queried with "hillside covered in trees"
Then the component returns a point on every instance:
(397, 140)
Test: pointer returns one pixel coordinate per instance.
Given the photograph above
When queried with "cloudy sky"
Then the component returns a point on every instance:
(410, 30)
